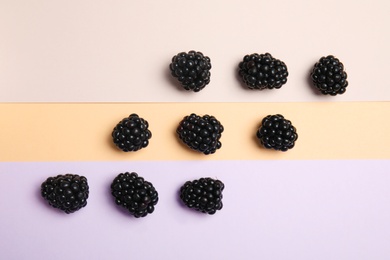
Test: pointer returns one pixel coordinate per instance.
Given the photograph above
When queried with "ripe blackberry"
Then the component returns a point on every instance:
(203, 195)
(134, 194)
(131, 134)
(201, 133)
(67, 192)
(262, 71)
(329, 77)
(277, 133)
(192, 70)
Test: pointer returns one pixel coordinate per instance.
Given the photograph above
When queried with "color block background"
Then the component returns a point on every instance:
(69, 71)
(272, 210)
(99, 51)
(82, 132)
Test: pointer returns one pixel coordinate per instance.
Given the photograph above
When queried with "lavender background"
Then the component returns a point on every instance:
(272, 210)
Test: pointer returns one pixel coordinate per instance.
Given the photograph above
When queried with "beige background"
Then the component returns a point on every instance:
(83, 51)
(82, 132)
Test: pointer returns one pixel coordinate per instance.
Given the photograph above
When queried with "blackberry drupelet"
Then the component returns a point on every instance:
(262, 71)
(67, 192)
(329, 77)
(134, 194)
(191, 69)
(203, 195)
(277, 133)
(201, 133)
(131, 134)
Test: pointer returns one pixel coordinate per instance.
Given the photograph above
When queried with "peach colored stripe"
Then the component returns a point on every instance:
(81, 132)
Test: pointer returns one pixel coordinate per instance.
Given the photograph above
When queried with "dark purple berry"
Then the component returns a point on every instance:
(191, 69)
(201, 133)
(68, 192)
(134, 193)
(262, 71)
(329, 77)
(204, 195)
(131, 134)
(277, 133)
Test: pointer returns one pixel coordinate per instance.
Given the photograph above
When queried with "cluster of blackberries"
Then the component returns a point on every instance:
(258, 71)
(69, 193)
(139, 197)
(203, 133)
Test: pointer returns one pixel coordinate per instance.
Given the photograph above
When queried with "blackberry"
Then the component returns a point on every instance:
(277, 133)
(191, 69)
(329, 77)
(131, 134)
(201, 133)
(262, 71)
(203, 195)
(67, 192)
(134, 194)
